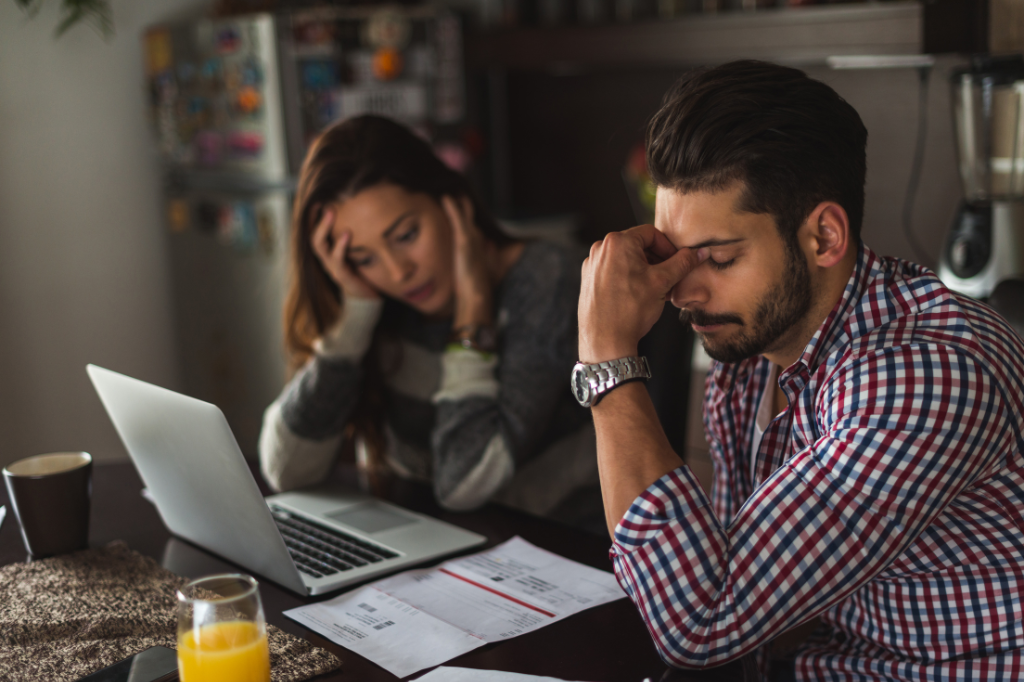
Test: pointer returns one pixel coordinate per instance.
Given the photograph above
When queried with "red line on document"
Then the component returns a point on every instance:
(500, 594)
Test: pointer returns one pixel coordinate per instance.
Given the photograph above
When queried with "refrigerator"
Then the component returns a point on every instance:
(234, 103)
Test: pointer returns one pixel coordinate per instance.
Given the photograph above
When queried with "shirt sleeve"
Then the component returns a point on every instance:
(723, 498)
(493, 412)
(903, 431)
(302, 430)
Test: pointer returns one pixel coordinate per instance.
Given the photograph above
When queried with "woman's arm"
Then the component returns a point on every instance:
(302, 429)
(493, 412)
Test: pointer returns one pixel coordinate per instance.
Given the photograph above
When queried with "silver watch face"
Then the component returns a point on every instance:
(580, 385)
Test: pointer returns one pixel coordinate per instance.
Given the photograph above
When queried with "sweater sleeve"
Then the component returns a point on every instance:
(303, 428)
(494, 411)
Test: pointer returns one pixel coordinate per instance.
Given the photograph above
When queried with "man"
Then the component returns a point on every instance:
(865, 422)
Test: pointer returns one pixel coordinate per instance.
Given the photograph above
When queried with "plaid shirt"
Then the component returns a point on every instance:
(888, 499)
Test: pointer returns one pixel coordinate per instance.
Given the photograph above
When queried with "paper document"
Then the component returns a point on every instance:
(396, 636)
(422, 618)
(446, 674)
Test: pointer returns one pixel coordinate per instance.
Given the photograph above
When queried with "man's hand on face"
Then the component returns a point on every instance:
(626, 281)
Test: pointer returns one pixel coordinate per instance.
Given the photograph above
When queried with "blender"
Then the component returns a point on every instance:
(986, 243)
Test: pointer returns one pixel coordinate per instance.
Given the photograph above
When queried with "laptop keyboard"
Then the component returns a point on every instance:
(319, 550)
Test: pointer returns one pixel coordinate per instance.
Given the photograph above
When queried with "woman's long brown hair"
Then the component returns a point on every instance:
(345, 159)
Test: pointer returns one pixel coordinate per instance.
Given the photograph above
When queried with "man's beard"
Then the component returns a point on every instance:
(777, 313)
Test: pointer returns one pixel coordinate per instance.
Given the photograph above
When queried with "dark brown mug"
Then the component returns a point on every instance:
(50, 496)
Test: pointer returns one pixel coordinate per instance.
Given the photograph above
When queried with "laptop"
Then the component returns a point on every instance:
(309, 541)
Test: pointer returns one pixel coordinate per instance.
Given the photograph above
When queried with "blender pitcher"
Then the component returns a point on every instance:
(986, 242)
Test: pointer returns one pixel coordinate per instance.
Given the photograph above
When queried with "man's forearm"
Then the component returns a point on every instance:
(632, 449)
(625, 282)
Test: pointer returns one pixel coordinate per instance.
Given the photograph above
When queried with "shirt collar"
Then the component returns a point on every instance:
(834, 331)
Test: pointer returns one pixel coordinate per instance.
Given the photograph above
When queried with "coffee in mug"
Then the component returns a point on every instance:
(50, 496)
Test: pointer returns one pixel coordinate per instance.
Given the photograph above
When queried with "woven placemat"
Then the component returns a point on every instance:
(66, 617)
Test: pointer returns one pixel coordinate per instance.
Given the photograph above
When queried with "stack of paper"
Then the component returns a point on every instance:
(423, 618)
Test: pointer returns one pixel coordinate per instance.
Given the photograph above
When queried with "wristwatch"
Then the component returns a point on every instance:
(479, 337)
(591, 382)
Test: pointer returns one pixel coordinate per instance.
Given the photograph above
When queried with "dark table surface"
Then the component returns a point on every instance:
(608, 643)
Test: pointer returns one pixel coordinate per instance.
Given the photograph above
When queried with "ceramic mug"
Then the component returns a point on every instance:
(50, 496)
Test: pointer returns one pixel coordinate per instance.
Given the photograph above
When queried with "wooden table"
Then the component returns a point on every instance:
(608, 643)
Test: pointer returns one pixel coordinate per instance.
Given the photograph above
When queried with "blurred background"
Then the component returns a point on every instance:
(147, 153)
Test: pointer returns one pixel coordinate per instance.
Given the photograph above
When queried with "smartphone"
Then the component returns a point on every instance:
(155, 664)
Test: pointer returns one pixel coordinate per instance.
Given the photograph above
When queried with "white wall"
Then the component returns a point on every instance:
(887, 101)
(83, 273)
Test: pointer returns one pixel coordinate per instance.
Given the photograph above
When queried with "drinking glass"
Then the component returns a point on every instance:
(222, 634)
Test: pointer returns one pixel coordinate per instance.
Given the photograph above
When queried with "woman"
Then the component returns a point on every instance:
(441, 345)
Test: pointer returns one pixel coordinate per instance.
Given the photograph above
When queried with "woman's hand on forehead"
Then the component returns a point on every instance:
(331, 253)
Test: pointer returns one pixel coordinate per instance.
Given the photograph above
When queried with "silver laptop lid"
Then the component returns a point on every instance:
(196, 474)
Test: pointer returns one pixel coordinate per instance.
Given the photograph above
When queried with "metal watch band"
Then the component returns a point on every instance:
(610, 374)
(602, 377)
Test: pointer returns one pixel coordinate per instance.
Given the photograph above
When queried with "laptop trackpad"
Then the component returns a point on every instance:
(370, 517)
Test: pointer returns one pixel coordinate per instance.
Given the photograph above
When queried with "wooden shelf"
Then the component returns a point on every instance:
(800, 36)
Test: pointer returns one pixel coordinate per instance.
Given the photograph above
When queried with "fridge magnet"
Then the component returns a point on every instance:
(318, 74)
(158, 52)
(387, 28)
(177, 215)
(245, 233)
(213, 69)
(387, 64)
(252, 74)
(248, 100)
(244, 143)
(228, 40)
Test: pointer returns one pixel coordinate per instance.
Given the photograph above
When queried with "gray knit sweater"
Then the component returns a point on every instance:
(504, 427)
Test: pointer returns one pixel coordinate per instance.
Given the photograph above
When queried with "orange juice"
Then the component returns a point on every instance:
(230, 651)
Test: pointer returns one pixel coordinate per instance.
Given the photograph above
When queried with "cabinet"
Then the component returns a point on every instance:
(547, 96)
(800, 35)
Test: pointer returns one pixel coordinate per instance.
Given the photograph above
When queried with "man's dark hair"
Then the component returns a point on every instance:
(791, 139)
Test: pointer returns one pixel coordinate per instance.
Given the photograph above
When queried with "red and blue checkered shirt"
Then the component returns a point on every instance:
(888, 499)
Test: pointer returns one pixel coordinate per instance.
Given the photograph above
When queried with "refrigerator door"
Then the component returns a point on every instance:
(229, 265)
(217, 105)
(215, 92)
